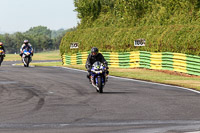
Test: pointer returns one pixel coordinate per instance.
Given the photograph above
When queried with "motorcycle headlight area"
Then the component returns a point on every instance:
(97, 71)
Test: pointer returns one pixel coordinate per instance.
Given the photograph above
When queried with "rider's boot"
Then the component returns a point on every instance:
(107, 76)
(88, 76)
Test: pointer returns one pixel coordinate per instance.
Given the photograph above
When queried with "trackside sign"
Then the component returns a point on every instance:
(139, 42)
(74, 45)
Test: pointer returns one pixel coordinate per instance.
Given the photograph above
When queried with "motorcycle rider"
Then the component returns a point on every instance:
(92, 58)
(2, 47)
(26, 45)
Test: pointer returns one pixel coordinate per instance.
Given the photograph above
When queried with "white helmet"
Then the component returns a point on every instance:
(25, 41)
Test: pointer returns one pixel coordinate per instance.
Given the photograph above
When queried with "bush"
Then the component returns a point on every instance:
(174, 38)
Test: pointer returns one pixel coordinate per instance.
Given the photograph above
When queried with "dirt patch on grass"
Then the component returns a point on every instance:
(191, 82)
(176, 73)
(125, 70)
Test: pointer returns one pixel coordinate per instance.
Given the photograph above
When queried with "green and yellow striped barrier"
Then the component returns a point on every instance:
(184, 63)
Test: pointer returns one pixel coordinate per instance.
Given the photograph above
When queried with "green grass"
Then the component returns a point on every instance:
(47, 64)
(12, 57)
(50, 55)
(159, 77)
(187, 81)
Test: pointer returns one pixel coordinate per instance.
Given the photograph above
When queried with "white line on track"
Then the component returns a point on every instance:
(141, 81)
(22, 65)
(96, 124)
(193, 132)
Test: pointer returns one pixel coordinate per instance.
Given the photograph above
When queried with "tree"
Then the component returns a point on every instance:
(38, 31)
(39, 37)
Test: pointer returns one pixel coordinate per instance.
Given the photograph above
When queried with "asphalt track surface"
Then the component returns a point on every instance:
(60, 100)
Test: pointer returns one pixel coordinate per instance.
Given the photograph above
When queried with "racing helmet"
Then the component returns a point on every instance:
(94, 51)
(25, 41)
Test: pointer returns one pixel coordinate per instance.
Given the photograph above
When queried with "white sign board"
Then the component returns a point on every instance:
(73, 45)
(139, 42)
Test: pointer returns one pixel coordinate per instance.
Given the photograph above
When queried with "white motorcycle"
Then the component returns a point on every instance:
(26, 57)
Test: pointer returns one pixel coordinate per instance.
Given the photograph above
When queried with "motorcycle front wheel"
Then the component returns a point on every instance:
(100, 86)
(26, 60)
(1, 59)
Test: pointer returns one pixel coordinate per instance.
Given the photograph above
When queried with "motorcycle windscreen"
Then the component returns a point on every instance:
(97, 65)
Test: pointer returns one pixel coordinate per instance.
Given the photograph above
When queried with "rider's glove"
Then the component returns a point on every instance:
(106, 65)
(89, 69)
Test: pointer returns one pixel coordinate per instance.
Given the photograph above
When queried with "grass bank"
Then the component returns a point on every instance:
(174, 38)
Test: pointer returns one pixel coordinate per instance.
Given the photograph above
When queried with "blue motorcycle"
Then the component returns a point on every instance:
(26, 57)
(98, 76)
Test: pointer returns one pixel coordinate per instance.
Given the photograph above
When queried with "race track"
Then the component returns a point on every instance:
(60, 100)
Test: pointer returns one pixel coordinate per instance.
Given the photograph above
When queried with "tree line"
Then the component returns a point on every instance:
(40, 37)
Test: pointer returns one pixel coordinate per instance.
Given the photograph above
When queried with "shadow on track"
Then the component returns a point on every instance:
(118, 92)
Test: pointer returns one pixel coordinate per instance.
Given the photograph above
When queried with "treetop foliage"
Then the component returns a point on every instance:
(40, 37)
(39, 31)
(113, 25)
(130, 13)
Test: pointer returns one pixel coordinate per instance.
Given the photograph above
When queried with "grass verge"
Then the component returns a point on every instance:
(49, 55)
(166, 77)
(47, 64)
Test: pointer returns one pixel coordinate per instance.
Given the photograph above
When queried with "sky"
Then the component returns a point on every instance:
(21, 15)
